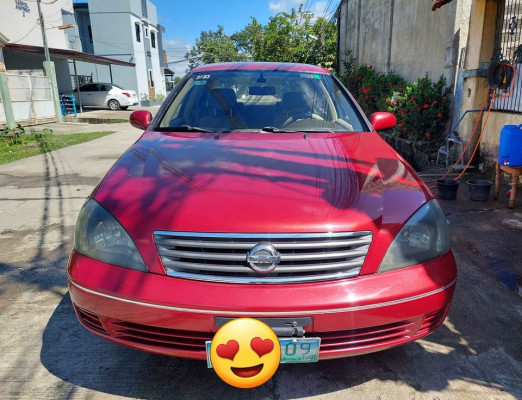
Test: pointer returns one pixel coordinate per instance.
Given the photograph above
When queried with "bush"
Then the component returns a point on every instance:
(422, 111)
(422, 108)
(370, 88)
(12, 136)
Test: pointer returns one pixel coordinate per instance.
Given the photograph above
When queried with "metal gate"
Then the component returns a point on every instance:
(508, 47)
(31, 98)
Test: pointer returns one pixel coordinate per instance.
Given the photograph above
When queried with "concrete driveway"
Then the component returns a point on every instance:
(46, 354)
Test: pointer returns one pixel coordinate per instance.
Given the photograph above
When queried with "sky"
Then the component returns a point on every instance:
(184, 20)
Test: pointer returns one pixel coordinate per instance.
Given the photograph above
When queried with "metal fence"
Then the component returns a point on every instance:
(508, 47)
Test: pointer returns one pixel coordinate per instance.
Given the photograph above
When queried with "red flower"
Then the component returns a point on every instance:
(367, 97)
(425, 106)
(401, 124)
(439, 115)
(427, 134)
(371, 66)
(435, 102)
(351, 76)
(365, 90)
(359, 78)
(412, 99)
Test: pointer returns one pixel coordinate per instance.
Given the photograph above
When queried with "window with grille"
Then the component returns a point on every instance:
(508, 48)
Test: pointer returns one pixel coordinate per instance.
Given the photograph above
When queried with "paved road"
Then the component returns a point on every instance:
(46, 354)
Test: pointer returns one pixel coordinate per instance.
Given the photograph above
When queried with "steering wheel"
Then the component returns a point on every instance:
(303, 115)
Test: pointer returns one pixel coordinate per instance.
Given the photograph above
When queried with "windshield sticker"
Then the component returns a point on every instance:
(199, 83)
(202, 77)
(311, 76)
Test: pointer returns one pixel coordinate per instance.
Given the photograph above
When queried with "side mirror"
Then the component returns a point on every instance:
(383, 120)
(140, 119)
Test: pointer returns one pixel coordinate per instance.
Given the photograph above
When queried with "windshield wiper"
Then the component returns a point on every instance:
(313, 130)
(183, 128)
(303, 130)
(277, 130)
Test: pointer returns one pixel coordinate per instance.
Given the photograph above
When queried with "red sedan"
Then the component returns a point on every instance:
(261, 190)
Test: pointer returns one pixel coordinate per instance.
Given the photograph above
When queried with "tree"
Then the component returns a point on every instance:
(287, 37)
(212, 47)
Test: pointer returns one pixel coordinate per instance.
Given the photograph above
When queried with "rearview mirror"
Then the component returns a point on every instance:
(262, 90)
(140, 119)
(383, 120)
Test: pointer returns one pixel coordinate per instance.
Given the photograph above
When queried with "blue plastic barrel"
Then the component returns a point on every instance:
(510, 147)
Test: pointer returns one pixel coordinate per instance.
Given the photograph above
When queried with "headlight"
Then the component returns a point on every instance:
(424, 237)
(100, 236)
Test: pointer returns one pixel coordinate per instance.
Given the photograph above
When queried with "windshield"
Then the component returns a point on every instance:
(271, 101)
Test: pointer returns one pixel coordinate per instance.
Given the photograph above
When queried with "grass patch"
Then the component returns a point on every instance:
(40, 143)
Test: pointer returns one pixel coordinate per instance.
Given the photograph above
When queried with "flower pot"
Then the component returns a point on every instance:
(479, 189)
(447, 189)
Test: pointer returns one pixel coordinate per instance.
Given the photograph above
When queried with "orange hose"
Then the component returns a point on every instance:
(480, 137)
(473, 132)
(476, 126)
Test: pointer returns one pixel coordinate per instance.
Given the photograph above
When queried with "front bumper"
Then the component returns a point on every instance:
(175, 316)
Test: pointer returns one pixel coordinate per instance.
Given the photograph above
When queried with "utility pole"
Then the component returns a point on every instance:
(50, 71)
(42, 27)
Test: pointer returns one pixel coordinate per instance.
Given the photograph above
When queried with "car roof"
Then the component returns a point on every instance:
(260, 66)
(99, 83)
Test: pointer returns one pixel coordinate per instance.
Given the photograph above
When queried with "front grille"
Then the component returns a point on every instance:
(90, 320)
(432, 321)
(363, 337)
(222, 257)
(180, 340)
(160, 337)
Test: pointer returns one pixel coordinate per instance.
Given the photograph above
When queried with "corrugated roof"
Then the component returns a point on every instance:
(69, 54)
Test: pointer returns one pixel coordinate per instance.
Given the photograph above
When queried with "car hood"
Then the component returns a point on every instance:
(260, 183)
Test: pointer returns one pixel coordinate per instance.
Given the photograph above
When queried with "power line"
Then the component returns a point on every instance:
(27, 34)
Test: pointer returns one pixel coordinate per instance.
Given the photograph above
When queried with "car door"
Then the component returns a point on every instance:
(102, 96)
(88, 94)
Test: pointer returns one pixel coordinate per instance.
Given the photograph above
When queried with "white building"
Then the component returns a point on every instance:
(111, 41)
(125, 30)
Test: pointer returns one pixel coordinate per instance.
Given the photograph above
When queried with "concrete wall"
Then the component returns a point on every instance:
(63, 76)
(22, 26)
(401, 35)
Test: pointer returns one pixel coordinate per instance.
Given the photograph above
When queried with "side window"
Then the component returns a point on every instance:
(153, 39)
(105, 88)
(138, 33)
(88, 88)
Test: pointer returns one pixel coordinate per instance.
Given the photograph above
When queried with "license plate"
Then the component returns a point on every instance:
(293, 350)
(299, 350)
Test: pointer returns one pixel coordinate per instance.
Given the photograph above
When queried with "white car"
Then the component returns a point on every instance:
(105, 95)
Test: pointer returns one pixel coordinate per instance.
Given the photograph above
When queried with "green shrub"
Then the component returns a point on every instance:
(12, 136)
(422, 111)
(422, 108)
